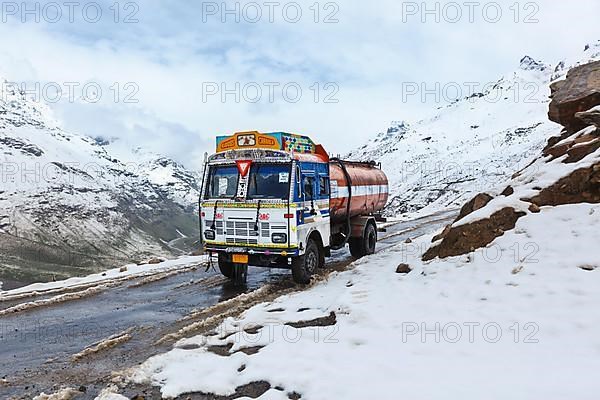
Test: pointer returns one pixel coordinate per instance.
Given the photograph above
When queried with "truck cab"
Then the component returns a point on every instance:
(265, 201)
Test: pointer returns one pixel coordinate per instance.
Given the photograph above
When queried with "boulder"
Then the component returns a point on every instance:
(403, 269)
(477, 202)
(579, 92)
(509, 191)
(590, 117)
(466, 238)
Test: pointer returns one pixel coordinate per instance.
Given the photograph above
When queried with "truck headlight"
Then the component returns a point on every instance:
(279, 238)
(209, 235)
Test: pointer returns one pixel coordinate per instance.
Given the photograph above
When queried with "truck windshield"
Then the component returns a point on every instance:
(269, 181)
(223, 182)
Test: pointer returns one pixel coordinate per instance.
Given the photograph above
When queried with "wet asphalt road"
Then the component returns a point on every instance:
(31, 340)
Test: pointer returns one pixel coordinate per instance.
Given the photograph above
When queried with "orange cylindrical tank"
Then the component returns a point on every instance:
(368, 193)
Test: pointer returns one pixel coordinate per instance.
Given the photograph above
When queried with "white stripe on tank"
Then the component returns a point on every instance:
(368, 190)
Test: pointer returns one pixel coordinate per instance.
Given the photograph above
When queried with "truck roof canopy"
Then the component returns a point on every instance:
(282, 141)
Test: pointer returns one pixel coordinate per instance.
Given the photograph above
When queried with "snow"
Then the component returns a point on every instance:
(525, 309)
(541, 174)
(71, 195)
(132, 271)
(472, 144)
(107, 343)
(63, 394)
(109, 394)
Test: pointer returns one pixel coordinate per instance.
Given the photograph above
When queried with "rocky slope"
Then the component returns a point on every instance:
(566, 173)
(70, 204)
(471, 144)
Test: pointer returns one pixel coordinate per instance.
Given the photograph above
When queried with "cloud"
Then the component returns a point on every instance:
(360, 63)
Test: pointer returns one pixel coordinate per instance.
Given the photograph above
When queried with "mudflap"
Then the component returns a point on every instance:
(240, 274)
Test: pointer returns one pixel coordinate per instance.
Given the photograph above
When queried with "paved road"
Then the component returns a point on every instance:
(36, 346)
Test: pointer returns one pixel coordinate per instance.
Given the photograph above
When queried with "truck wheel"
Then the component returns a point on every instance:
(365, 245)
(226, 267)
(305, 266)
(240, 274)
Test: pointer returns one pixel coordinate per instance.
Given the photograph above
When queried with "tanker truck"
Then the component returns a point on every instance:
(278, 200)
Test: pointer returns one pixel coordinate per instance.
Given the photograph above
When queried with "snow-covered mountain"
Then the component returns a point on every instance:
(471, 144)
(70, 203)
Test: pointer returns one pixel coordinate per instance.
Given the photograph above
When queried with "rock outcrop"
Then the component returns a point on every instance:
(579, 92)
(568, 171)
(466, 238)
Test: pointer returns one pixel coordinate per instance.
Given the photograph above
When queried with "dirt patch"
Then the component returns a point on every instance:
(223, 351)
(253, 330)
(467, 238)
(251, 350)
(252, 390)
(329, 320)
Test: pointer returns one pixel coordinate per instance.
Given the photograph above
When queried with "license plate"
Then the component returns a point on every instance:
(240, 258)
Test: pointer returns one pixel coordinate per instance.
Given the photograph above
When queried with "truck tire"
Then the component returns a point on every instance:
(305, 266)
(365, 245)
(240, 274)
(226, 267)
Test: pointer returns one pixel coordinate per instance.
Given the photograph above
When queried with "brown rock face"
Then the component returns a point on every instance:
(582, 186)
(466, 238)
(580, 92)
(577, 146)
(477, 202)
(509, 191)
(591, 117)
(442, 235)
(580, 150)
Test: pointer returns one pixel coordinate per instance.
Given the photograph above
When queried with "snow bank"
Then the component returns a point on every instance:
(499, 323)
(128, 272)
(109, 394)
(63, 394)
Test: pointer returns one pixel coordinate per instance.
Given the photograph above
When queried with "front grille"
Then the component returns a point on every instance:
(218, 226)
(241, 241)
(241, 232)
(264, 229)
(243, 229)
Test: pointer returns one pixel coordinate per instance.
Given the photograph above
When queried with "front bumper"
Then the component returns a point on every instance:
(271, 250)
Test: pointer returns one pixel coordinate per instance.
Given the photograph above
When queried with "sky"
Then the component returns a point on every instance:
(169, 76)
